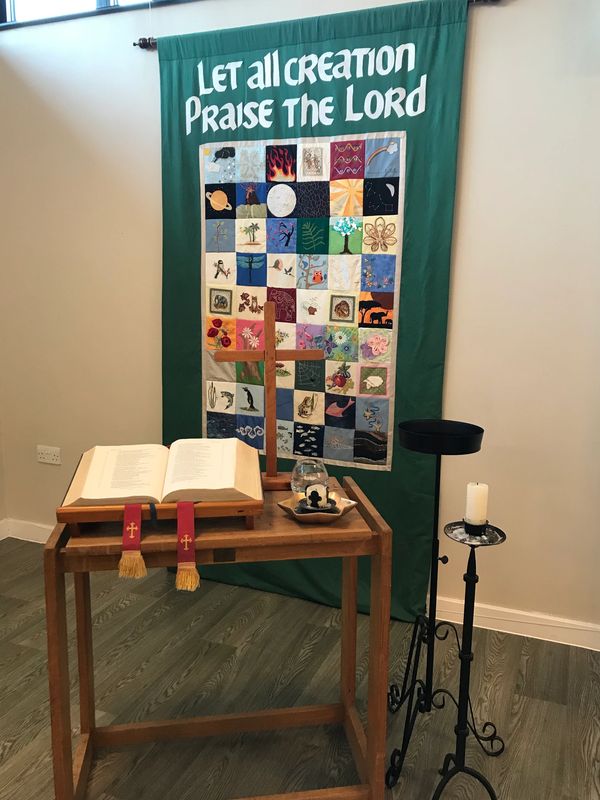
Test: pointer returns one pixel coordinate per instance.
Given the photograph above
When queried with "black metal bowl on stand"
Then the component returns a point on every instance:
(441, 437)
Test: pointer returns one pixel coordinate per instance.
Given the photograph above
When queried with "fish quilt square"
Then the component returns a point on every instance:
(314, 225)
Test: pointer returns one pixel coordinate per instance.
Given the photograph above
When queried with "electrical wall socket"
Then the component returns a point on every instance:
(48, 455)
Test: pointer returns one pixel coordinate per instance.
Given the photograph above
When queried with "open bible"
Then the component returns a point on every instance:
(221, 470)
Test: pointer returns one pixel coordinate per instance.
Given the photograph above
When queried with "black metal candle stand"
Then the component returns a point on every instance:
(417, 695)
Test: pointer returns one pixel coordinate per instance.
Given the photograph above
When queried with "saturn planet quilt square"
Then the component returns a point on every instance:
(316, 227)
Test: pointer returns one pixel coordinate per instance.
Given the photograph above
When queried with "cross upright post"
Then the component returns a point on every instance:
(270, 355)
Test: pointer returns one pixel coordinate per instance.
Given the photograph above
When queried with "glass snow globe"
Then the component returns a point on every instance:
(307, 472)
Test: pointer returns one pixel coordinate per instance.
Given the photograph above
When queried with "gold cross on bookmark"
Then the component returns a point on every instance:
(132, 529)
(270, 355)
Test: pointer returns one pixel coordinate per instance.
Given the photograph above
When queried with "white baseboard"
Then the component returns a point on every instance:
(21, 529)
(524, 623)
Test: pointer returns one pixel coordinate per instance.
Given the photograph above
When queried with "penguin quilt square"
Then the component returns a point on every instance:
(315, 225)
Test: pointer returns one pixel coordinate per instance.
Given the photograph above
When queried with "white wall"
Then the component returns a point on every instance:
(81, 271)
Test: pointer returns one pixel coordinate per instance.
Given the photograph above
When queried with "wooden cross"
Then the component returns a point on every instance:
(270, 355)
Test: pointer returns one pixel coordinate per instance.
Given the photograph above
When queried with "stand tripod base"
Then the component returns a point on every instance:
(449, 773)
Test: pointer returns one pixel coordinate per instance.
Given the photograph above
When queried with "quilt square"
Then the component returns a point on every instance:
(370, 447)
(372, 414)
(282, 200)
(219, 200)
(338, 444)
(251, 162)
(250, 429)
(250, 334)
(220, 300)
(340, 412)
(220, 164)
(250, 400)
(376, 310)
(220, 396)
(345, 272)
(220, 426)
(309, 406)
(282, 235)
(285, 404)
(250, 372)
(308, 439)
(313, 161)
(341, 377)
(313, 235)
(380, 235)
(380, 196)
(312, 306)
(312, 199)
(311, 271)
(281, 270)
(281, 163)
(219, 235)
(346, 197)
(251, 269)
(345, 235)
(310, 375)
(378, 273)
(251, 200)
(341, 343)
(285, 303)
(382, 157)
(348, 159)
(309, 337)
(375, 346)
(251, 236)
(249, 302)
(285, 438)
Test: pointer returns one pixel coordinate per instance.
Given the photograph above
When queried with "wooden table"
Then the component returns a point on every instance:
(82, 549)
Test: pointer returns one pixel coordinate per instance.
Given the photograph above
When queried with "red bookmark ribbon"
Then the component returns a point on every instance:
(132, 527)
(186, 537)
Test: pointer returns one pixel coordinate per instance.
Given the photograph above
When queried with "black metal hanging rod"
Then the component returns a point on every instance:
(149, 42)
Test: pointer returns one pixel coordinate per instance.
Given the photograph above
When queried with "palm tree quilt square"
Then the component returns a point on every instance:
(251, 236)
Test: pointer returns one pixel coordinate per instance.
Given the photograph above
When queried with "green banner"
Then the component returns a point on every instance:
(313, 163)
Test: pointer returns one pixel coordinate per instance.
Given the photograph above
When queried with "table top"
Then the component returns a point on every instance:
(272, 527)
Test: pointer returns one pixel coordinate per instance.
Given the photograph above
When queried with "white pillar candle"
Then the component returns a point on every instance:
(477, 501)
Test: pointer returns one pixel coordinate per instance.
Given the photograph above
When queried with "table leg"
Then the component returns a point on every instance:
(381, 569)
(349, 616)
(58, 676)
(85, 655)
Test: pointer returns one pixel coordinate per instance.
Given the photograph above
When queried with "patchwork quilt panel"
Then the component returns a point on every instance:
(314, 225)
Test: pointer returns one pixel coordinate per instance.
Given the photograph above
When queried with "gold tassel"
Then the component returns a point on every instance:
(132, 565)
(187, 578)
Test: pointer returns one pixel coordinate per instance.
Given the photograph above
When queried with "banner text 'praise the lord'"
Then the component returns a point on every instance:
(305, 71)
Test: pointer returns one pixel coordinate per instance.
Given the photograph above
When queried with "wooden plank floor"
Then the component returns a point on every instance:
(161, 653)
